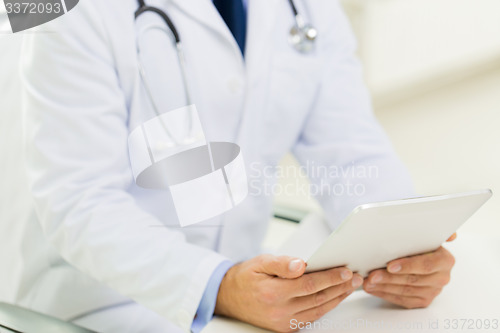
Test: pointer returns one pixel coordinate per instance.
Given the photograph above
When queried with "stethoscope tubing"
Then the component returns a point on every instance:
(143, 8)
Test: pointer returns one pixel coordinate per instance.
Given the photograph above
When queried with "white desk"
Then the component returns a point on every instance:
(473, 294)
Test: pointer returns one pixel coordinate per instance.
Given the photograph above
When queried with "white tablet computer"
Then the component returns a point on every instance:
(375, 234)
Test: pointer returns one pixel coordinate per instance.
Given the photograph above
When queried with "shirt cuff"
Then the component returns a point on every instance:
(206, 308)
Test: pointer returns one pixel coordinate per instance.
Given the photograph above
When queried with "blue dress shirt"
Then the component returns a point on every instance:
(206, 308)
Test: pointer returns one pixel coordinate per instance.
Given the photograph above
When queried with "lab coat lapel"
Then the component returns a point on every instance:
(205, 13)
(260, 31)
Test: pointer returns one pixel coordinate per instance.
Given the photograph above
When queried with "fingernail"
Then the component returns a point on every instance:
(376, 278)
(345, 275)
(369, 286)
(295, 265)
(394, 268)
(357, 281)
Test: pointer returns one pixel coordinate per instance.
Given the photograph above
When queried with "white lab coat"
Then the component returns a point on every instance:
(94, 238)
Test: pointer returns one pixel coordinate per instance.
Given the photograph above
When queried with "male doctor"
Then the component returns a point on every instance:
(106, 254)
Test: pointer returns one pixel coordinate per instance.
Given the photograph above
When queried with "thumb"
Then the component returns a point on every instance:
(452, 237)
(283, 266)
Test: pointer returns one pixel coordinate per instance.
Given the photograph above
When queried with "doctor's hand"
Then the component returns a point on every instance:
(270, 292)
(412, 282)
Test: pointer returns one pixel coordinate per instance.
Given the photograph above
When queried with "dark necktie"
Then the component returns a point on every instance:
(233, 13)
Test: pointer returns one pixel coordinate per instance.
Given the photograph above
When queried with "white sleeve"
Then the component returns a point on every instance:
(343, 134)
(76, 129)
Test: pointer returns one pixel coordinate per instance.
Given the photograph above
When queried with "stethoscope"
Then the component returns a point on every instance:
(302, 38)
(302, 34)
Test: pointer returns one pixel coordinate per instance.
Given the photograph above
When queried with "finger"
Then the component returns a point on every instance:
(403, 290)
(284, 267)
(326, 295)
(452, 237)
(311, 283)
(316, 313)
(406, 302)
(427, 263)
(381, 276)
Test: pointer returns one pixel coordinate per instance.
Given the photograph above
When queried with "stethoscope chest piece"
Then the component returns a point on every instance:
(303, 38)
